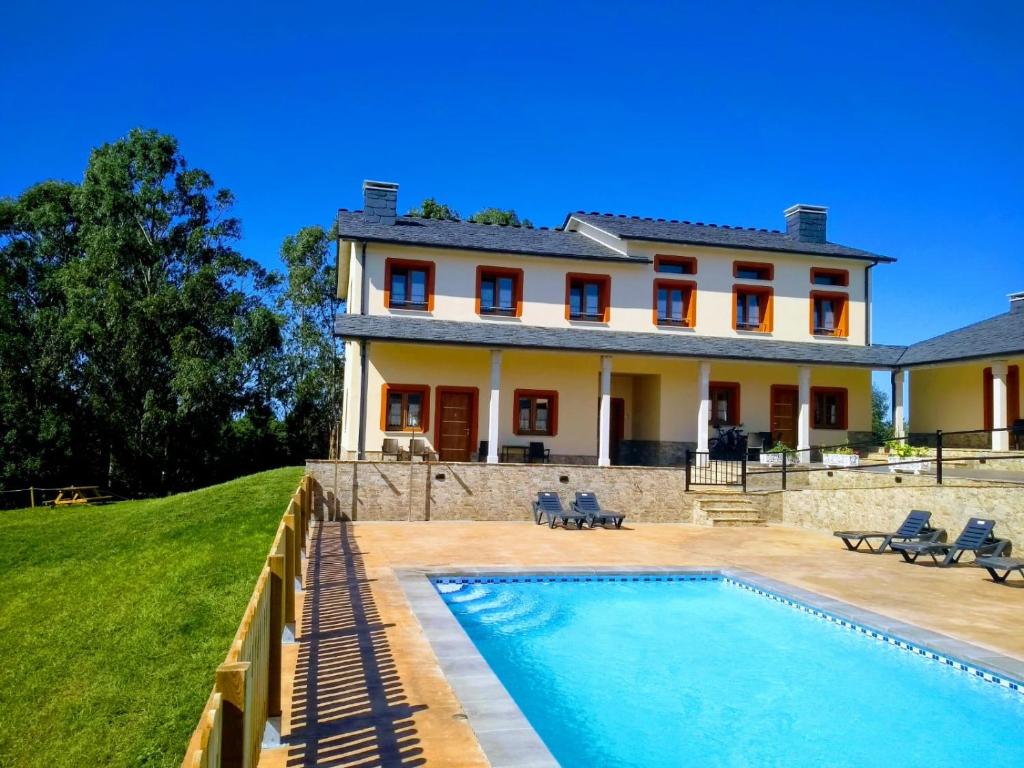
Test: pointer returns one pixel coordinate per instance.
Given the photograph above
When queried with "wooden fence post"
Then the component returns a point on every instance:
(276, 586)
(231, 685)
(296, 542)
(289, 569)
(32, 497)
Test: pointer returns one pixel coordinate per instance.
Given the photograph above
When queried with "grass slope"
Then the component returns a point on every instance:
(113, 619)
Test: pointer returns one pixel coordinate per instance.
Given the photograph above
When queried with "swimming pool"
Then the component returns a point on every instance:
(688, 670)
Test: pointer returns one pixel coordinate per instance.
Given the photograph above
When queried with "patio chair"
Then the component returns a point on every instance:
(548, 505)
(1006, 564)
(586, 502)
(418, 448)
(976, 537)
(485, 447)
(914, 528)
(390, 448)
(538, 452)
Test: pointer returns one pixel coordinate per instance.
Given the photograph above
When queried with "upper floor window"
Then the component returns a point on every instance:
(752, 308)
(829, 408)
(409, 284)
(829, 316)
(675, 265)
(725, 402)
(675, 303)
(836, 277)
(753, 270)
(405, 408)
(587, 297)
(499, 291)
(536, 412)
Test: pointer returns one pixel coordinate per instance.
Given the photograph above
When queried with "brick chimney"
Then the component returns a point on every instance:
(806, 223)
(380, 202)
(1017, 302)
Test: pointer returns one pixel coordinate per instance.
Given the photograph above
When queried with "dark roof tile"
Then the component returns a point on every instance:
(999, 335)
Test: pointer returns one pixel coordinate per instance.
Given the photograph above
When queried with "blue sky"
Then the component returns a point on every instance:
(907, 123)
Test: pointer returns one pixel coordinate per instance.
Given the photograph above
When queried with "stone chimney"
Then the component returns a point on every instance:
(806, 223)
(380, 202)
(1017, 302)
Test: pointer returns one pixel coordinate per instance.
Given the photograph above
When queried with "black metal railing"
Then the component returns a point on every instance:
(702, 469)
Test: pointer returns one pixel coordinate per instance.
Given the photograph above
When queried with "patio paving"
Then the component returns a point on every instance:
(368, 690)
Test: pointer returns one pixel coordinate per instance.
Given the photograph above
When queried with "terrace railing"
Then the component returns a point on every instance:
(702, 469)
(244, 708)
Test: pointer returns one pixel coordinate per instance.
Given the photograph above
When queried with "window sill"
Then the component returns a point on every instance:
(675, 327)
(412, 311)
(752, 332)
(829, 337)
(586, 321)
(496, 316)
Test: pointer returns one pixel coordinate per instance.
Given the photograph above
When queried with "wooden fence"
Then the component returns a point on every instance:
(247, 692)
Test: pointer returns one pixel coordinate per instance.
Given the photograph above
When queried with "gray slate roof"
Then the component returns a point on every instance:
(999, 335)
(502, 334)
(671, 231)
(433, 233)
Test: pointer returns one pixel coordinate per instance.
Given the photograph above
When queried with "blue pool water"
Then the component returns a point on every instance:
(704, 673)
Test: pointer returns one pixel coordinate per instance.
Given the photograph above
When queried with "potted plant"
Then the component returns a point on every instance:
(773, 456)
(843, 456)
(901, 457)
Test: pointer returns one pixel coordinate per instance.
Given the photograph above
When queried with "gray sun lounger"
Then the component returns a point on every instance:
(586, 502)
(915, 528)
(549, 506)
(976, 537)
(1006, 564)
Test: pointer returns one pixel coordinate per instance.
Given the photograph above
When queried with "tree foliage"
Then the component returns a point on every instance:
(881, 423)
(431, 209)
(505, 218)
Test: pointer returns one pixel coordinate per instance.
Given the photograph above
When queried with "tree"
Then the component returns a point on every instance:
(313, 353)
(171, 340)
(881, 423)
(504, 218)
(431, 209)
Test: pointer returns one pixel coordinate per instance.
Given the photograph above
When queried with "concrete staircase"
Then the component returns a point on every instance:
(732, 510)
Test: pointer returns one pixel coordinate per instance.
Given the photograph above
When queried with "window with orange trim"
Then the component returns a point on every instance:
(753, 270)
(587, 297)
(725, 402)
(825, 276)
(409, 284)
(536, 412)
(405, 408)
(829, 408)
(752, 308)
(830, 314)
(499, 291)
(675, 303)
(675, 265)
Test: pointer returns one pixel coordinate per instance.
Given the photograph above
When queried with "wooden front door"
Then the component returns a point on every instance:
(456, 423)
(785, 410)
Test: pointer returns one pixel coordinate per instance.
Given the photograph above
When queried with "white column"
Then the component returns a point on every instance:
(494, 411)
(803, 422)
(605, 414)
(703, 409)
(897, 403)
(1000, 440)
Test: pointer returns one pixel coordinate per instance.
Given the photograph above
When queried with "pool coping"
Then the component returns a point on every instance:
(510, 741)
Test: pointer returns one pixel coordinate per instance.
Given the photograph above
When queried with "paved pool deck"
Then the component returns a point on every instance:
(368, 687)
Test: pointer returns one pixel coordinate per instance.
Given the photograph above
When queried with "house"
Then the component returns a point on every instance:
(969, 380)
(611, 340)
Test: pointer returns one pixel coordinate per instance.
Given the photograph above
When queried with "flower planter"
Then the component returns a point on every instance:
(905, 464)
(839, 460)
(773, 459)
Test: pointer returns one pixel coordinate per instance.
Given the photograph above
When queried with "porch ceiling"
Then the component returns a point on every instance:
(429, 331)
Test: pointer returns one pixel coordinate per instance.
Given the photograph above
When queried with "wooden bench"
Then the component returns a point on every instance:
(80, 494)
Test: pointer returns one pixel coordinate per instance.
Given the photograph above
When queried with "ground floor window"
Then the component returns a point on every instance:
(536, 412)
(725, 402)
(405, 408)
(829, 408)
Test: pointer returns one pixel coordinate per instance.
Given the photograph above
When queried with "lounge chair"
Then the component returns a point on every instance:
(976, 537)
(587, 504)
(548, 505)
(1006, 564)
(914, 528)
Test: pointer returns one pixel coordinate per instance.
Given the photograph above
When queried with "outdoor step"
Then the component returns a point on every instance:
(715, 505)
(734, 514)
(734, 521)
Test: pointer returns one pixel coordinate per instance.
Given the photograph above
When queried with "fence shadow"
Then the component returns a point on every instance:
(348, 704)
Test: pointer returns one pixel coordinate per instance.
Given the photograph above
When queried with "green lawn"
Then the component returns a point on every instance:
(113, 619)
